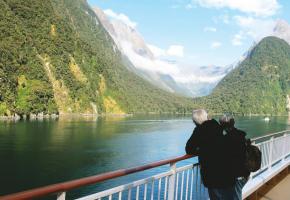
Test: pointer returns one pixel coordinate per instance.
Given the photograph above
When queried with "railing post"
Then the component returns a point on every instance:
(251, 173)
(285, 147)
(172, 178)
(61, 196)
(271, 152)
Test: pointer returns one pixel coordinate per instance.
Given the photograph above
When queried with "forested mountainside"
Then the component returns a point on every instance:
(57, 58)
(133, 46)
(259, 85)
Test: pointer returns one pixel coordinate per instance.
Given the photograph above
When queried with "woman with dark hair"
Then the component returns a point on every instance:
(235, 143)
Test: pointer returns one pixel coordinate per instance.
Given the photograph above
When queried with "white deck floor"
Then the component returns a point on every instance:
(280, 192)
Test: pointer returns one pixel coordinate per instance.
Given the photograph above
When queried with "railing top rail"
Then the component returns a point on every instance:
(69, 185)
(270, 135)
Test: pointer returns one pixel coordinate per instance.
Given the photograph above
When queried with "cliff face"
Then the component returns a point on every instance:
(56, 57)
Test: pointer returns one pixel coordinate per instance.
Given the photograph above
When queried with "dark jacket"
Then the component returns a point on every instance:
(236, 148)
(207, 141)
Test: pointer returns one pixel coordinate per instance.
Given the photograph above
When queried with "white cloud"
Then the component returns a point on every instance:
(255, 28)
(257, 7)
(209, 29)
(179, 72)
(215, 45)
(196, 78)
(157, 52)
(195, 74)
(237, 39)
(175, 50)
(154, 65)
(161, 62)
(122, 17)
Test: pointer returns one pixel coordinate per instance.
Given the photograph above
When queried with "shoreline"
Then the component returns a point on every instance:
(62, 116)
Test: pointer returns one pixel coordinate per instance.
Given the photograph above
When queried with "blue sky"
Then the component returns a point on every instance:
(207, 32)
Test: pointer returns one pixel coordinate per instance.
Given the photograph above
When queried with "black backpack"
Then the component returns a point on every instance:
(253, 157)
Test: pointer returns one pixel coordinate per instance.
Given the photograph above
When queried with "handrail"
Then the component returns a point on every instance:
(270, 135)
(69, 185)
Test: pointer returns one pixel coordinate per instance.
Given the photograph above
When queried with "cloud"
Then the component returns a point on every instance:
(196, 78)
(122, 17)
(237, 39)
(157, 52)
(209, 29)
(162, 60)
(196, 74)
(255, 28)
(179, 72)
(153, 65)
(256, 7)
(215, 45)
(175, 50)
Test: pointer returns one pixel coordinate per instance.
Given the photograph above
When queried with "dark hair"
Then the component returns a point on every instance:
(227, 121)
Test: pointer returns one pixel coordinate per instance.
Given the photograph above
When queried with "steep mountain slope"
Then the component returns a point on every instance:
(57, 57)
(259, 85)
(134, 48)
(157, 69)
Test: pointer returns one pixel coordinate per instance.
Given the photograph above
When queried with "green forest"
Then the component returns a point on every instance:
(259, 85)
(57, 58)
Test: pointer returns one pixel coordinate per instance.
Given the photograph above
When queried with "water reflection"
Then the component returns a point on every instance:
(40, 153)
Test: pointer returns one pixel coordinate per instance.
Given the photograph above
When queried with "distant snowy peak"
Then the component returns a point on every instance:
(131, 35)
(124, 34)
(157, 65)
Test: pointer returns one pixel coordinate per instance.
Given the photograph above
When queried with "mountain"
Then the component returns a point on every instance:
(122, 33)
(259, 85)
(134, 48)
(156, 70)
(203, 80)
(56, 57)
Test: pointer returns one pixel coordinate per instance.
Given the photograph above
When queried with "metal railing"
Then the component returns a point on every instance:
(274, 147)
(177, 183)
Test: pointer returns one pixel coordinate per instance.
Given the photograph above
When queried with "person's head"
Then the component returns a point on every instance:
(227, 121)
(199, 116)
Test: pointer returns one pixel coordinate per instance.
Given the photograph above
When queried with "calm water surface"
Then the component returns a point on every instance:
(34, 154)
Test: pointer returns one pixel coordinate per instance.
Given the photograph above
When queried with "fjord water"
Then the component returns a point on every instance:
(39, 153)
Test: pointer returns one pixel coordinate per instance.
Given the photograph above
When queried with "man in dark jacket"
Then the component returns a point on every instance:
(207, 141)
(235, 140)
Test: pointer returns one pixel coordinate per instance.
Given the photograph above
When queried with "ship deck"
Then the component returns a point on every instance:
(279, 192)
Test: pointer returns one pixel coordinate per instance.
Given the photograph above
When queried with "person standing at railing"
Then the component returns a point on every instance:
(236, 151)
(208, 143)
